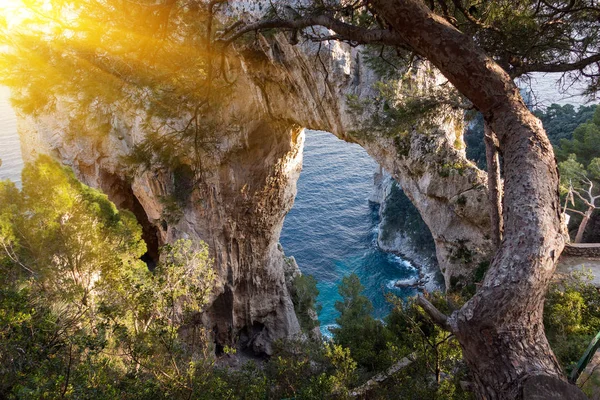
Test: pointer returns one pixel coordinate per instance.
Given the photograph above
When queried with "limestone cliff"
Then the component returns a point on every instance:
(310, 87)
(238, 201)
(238, 210)
(396, 230)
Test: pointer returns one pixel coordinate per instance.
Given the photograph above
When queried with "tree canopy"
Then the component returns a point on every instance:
(503, 320)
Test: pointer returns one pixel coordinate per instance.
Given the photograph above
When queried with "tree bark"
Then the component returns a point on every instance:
(583, 225)
(494, 184)
(501, 328)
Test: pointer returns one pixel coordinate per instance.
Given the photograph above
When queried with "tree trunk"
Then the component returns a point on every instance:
(494, 184)
(501, 328)
(582, 226)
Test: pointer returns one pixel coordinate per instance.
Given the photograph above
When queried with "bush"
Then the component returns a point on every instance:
(571, 317)
(304, 296)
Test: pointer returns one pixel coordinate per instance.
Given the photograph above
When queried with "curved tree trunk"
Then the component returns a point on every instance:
(501, 328)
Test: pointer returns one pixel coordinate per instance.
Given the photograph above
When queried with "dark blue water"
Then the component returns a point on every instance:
(332, 228)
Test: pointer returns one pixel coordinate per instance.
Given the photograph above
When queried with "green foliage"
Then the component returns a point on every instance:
(63, 233)
(571, 317)
(387, 62)
(89, 320)
(366, 337)
(456, 168)
(310, 370)
(584, 143)
(481, 271)
(579, 167)
(375, 345)
(119, 67)
(560, 121)
(462, 253)
(304, 296)
(571, 173)
(397, 113)
(81, 316)
(297, 369)
(438, 367)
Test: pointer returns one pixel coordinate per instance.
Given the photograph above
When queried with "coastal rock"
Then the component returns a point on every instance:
(411, 282)
(429, 163)
(397, 240)
(238, 211)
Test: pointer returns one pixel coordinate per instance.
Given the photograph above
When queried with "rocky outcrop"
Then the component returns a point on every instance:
(429, 163)
(248, 182)
(238, 210)
(394, 239)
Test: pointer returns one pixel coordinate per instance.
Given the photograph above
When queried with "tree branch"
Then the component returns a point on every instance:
(575, 211)
(438, 317)
(343, 30)
(494, 183)
(382, 377)
(522, 68)
(585, 201)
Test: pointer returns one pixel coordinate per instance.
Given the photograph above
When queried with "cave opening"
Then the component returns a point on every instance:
(120, 193)
(333, 228)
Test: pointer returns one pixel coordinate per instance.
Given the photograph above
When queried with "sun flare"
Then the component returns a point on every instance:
(14, 12)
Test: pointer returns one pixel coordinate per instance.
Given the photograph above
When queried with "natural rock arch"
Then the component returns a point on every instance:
(249, 184)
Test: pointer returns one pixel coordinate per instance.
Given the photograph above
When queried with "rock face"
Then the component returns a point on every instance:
(248, 182)
(429, 164)
(395, 239)
(239, 212)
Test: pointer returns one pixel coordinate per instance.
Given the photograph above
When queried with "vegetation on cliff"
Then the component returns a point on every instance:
(81, 315)
(480, 49)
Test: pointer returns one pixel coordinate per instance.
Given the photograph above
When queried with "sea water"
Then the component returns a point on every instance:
(332, 228)
(10, 150)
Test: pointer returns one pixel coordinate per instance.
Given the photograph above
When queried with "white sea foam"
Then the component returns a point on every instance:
(400, 261)
(391, 285)
(407, 282)
(326, 331)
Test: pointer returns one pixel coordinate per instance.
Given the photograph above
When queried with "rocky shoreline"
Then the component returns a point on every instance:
(400, 243)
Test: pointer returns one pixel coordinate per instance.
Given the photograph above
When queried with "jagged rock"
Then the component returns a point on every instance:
(394, 240)
(452, 201)
(402, 283)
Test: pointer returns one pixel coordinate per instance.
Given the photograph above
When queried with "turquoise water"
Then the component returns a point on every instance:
(332, 228)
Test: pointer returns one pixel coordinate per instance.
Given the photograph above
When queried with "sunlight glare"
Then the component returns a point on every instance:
(13, 11)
